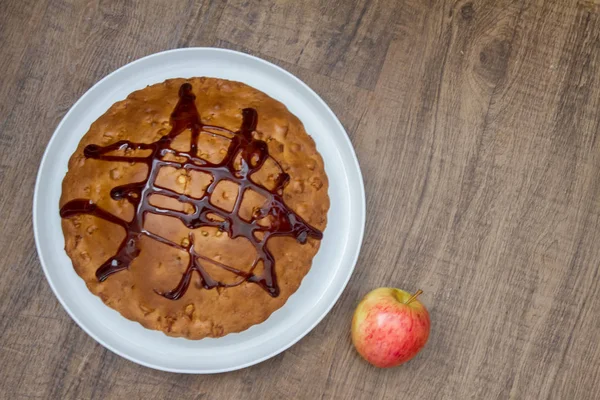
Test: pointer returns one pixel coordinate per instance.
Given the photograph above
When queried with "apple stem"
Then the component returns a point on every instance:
(414, 296)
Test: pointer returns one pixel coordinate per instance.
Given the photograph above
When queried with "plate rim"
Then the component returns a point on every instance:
(361, 206)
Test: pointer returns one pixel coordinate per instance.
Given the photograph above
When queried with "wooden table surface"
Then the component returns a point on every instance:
(476, 126)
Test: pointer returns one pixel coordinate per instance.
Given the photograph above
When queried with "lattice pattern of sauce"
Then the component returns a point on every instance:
(250, 152)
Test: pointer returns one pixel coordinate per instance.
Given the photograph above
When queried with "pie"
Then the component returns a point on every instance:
(195, 206)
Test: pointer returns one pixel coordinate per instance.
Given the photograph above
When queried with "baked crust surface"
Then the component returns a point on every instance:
(144, 116)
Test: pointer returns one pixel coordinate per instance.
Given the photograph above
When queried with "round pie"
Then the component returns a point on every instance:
(195, 206)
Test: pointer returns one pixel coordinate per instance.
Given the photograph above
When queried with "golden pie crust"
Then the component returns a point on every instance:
(144, 116)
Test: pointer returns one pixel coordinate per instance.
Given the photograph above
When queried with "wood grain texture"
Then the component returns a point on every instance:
(476, 125)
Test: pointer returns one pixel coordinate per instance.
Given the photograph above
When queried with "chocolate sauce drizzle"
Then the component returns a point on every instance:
(252, 154)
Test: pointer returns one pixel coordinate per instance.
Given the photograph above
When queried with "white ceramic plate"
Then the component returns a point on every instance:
(319, 290)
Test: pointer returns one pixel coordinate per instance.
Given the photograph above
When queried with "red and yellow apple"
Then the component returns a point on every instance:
(390, 326)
